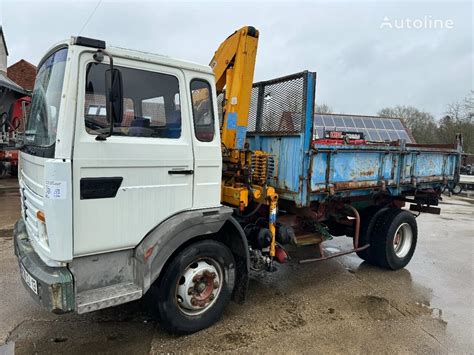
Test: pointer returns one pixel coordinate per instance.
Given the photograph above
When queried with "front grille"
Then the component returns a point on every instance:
(31, 203)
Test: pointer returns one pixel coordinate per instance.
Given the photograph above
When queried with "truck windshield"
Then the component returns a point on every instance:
(42, 122)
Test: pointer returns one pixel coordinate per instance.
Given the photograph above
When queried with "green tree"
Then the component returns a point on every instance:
(421, 124)
(459, 119)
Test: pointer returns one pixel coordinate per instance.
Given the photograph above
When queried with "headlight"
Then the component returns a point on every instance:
(42, 232)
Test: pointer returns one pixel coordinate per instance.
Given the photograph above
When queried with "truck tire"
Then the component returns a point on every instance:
(195, 287)
(368, 218)
(394, 238)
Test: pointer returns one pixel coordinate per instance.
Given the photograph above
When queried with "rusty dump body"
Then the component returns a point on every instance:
(310, 173)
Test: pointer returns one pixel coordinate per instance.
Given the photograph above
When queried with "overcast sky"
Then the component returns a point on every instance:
(364, 60)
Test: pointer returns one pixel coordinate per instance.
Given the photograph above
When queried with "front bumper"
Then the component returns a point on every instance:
(54, 286)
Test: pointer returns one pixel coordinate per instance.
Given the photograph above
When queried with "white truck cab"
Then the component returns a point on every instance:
(106, 206)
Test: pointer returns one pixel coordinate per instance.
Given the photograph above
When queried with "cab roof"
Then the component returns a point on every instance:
(134, 55)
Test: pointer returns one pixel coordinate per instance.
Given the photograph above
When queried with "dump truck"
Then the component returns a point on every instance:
(142, 174)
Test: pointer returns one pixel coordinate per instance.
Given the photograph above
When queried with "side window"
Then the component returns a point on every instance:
(203, 113)
(151, 103)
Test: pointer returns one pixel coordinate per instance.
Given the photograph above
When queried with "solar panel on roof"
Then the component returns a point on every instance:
(349, 122)
(359, 123)
(393, 135)
(339, 122)
(378, 123)
(328, 121)
(388, 124)
(384, 135)
(368, 122)
(373, 135)
(376, 129)
(398, 125)
(318, 121)
(403, 135)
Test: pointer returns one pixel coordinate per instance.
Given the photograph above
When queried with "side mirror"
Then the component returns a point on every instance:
(113, 93)
(113, 79)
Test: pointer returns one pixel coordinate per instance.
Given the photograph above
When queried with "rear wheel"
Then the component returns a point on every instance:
(394, 238)
(368, 217)
(195, 287)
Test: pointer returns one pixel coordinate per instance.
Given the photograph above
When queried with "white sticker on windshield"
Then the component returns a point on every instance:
(55, 190)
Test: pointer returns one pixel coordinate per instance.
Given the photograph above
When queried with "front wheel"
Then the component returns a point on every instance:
(195, 287)
(394, 239)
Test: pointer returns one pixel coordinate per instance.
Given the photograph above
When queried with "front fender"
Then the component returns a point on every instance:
(159, 245)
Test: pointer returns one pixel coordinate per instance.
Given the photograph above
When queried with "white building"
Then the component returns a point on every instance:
(9, 90)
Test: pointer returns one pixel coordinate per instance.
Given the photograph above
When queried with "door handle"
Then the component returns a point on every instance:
(180, 172)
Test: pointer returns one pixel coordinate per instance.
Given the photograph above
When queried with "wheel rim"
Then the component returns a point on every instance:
(403, 240)
(199, 286)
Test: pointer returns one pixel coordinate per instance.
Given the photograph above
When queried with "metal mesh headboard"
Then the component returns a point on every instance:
(277, 107)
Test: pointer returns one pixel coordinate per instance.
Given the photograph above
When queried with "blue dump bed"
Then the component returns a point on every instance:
(281, 123)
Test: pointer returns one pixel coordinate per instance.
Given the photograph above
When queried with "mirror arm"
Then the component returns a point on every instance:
(99, 57)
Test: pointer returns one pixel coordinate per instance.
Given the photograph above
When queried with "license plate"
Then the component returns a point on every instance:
(30, 281)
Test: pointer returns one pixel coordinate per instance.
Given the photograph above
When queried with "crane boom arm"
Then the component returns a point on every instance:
(245, 172)
(234, 64)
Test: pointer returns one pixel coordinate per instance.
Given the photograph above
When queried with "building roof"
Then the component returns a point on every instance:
(25, 62)
(375, 128)
(5, 81)
(23, 73)
(3, 37)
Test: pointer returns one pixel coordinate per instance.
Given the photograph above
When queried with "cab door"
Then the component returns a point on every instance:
(206, 141)
(126, 185)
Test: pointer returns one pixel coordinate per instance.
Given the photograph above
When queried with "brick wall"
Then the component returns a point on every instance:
(23, 73)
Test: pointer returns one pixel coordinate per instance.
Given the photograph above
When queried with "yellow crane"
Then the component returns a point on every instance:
(245, 172)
